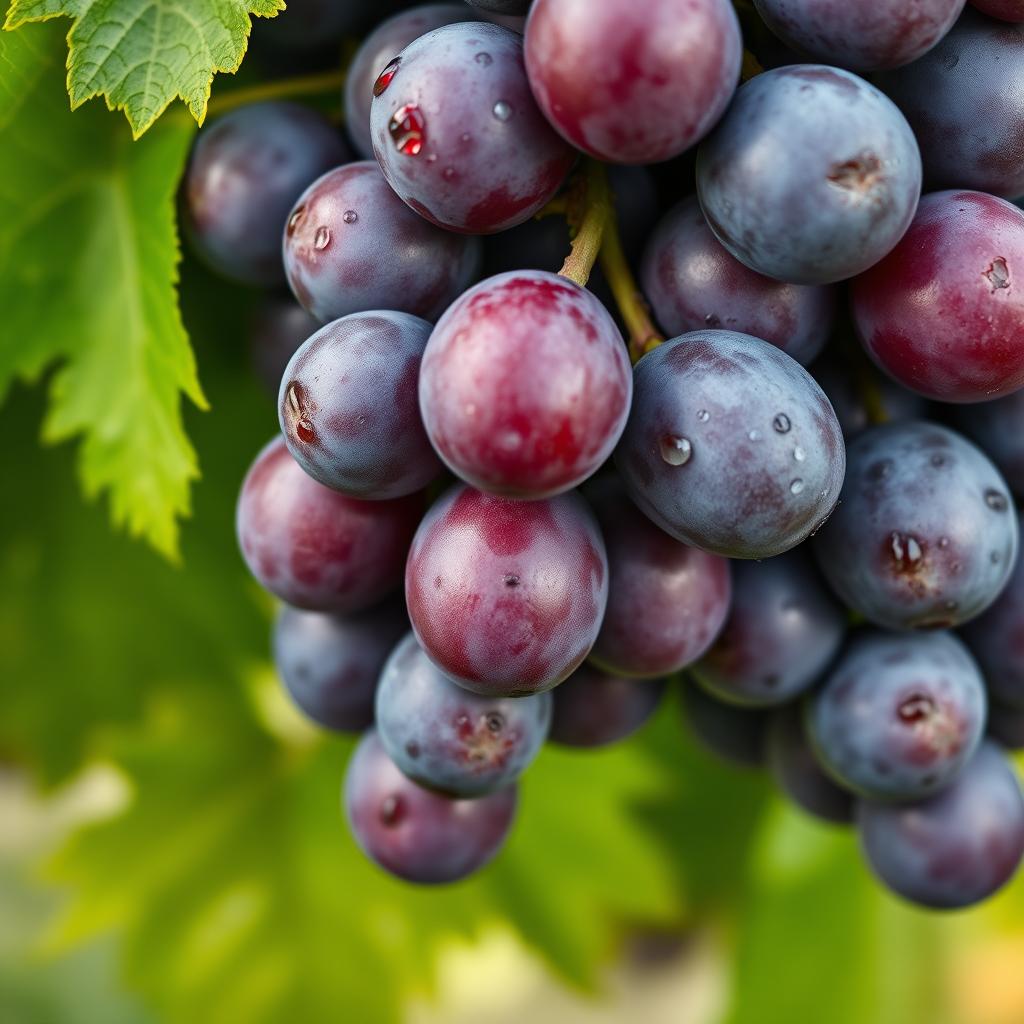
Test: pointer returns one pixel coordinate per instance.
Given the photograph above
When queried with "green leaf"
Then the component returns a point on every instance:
(141, 54)
(88, 274)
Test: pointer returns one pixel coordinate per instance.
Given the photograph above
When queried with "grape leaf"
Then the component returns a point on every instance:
(88, 269)
(141, 54)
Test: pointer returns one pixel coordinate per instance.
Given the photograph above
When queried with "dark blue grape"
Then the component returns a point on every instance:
(279, 326)
(954, 849)
(998, 429)
(592, 708)
(925, 534)
(900, 714)
(730, 445)
(417, 834)
(811, 177)
(736, 735)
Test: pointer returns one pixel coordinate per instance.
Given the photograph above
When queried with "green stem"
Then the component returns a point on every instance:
(283, 88)
(590, 212)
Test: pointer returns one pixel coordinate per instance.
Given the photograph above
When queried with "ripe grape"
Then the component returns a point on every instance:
(525, 385)
(812, 176)
(351, 245)
(633, 83)
(693, 282)
(1007, 10)
(666, 600)
(736, 735)
(730, 445)
(446, 738)
(942, 314)
(316, 548)
(279, 326)
(416, 834)
(900, 714)
(998, 429)
(507, 597)
(245, 171)
(458, 134)
(925, 534)
(782, 632)
(330, 663)
(349, 406)
(955, 848)
(592, 708)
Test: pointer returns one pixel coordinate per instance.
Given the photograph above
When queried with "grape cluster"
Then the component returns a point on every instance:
(800, 511)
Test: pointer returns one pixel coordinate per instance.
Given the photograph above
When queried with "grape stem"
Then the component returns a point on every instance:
(283, 88)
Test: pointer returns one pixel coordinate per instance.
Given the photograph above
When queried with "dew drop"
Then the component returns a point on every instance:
(906, 551)
(322, 238)
(796, 487)
(676, 451)
(301, 424)
(350, 216)
(996, 500)
(385, 77)
(295, 220)
(943, 542)
(391, 810)
(754, 435)
(782, 423)
(408, 129)
(712, 321)
(703, 415)
(484, 59)
(502, 111)
(799, 455)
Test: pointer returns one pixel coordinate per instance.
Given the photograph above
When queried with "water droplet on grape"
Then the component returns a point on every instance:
(385, 77)
(703, 415)
(799, 455)
(302, 425)
(676, 451)
(502, 111)
(906, 551)
(712, 321)
(782, 423)
(391, 810)
(295, 219)
(495, 723)
(754, 435)
(484, 58)
(996, 500)
(796, 487)
(350, 216)
(943, 542)
(408, 129)
(322, 238)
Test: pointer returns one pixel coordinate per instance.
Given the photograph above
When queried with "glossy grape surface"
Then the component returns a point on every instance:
(737, 735)
(956, 848)
(525, 385)
(730, 445)
(417, 834)
(900, 715)
(593, 709)
(812, 176)
(507, 597)
(278, 327)
(316, 548)
(458, 134)
(925, 534)
(998, 429)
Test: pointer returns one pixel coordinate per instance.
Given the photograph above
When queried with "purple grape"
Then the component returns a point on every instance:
(998, 429)
(279, 326)
(925, 535)
(316, 548)
(666, 601)
(330, 663)
(245, 171)
(693, 282)
(900, 714)
(458, 134)
(352, 245)
(736, 735)
(446, 738)
(416, 834)
(954, 849)
(839, 189)
(782, 632)
(349, 406)
(592, 708)
(730, 445)
(507, 597)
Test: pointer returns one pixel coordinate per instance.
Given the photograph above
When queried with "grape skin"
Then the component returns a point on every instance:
(496, 421)
(316, 548)
(956, 848)
(451, 740)
(349, 406)
(593, 709)
(245, 171)
(764, 452)
(693, 282)
(811, 177)
(351, 245)
(506, 597)
(279, 326)
(413, 833)
(900, 715)
(633, 83)
(925, 535)
(737, 735)
(998, 429)
(486, 159)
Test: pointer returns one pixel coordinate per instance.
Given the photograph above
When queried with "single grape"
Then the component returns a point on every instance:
(998, 429)
(925, 535)
(349, 406)
(666, 600)
(1007, 10)
(245, 171)
(514, 7)
(525, 385)
(507, 597)
(457, 132)
(278, 327)
(593, 709)
(736, 735)
(956, 848)
(446, 738)
(693, 282)
(1006, 725)
(352, 245)
(864, 35)
(416, 834)
(316, 548)
(900, 715)
(797, 771)
(966, 106)
(968, 345)
(730, 445)
(783, 630)
(811, 177)
(633, 83)
(330, 663)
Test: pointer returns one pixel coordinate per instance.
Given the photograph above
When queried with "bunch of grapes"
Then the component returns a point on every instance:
(489, 531)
